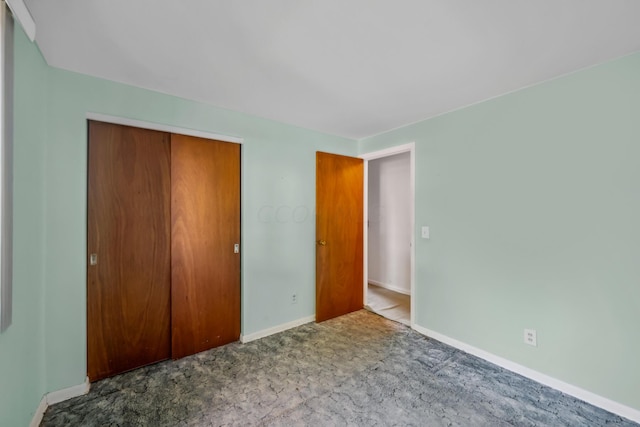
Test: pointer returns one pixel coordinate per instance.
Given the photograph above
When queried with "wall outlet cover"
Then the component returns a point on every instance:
(530, 337)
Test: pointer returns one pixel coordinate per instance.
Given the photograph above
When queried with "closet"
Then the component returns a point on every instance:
(163, 234)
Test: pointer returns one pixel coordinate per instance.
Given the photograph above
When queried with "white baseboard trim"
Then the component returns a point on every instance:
(68, 393)
(274, 330)
(37, 417)
(587, 396)
(57, 397)
(390, 287)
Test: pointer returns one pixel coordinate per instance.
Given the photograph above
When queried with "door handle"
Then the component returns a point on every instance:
(322, 242)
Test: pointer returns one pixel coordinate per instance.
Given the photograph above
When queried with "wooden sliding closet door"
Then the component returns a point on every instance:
(205, 227)
(128, 244)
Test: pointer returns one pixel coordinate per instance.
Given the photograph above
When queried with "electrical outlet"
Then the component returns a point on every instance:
(530, 337)
(294, 298)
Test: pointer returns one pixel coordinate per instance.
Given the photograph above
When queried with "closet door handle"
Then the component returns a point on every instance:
(322, 242)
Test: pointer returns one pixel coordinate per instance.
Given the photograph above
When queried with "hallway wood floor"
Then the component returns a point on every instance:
(392, 305)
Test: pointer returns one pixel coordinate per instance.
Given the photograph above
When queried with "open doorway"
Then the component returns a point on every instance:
(389, 234)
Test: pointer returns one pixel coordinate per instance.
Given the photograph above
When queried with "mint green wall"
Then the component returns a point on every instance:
(533, 200)
(22, 379)
(278, 176)
(45, 349)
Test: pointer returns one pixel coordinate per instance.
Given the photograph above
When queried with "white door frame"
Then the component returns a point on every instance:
(117, 120)
(406, 148)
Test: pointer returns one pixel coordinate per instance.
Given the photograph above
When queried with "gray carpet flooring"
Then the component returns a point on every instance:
(359, 370)
(392, 305)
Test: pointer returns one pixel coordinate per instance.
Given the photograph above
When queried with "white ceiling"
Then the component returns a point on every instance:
(353, 68)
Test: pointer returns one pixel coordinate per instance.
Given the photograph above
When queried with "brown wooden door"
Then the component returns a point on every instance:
(205, 218)
(128, 229)
(339, 228)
